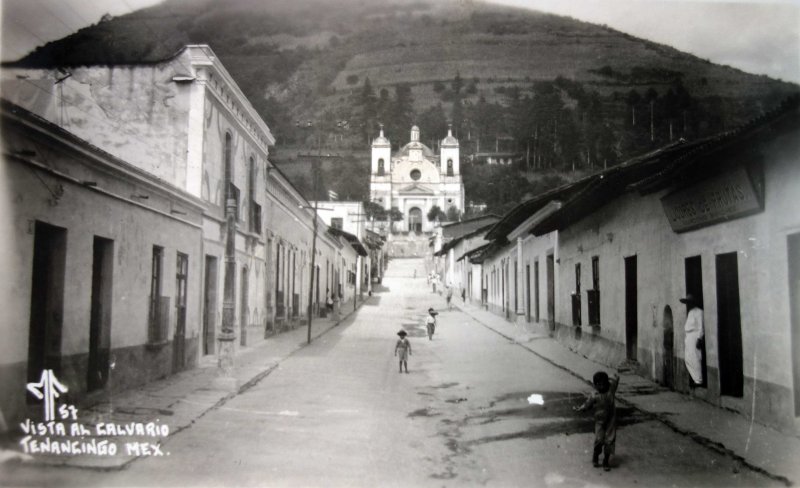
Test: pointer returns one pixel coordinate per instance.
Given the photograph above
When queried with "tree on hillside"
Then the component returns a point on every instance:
(365, 110)
(432, 124)
(457, 84)
(400, 114)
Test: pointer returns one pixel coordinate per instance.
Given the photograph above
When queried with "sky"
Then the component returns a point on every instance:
(757, 36)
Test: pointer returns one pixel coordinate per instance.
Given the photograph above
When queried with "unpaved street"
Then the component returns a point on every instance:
(338, 413)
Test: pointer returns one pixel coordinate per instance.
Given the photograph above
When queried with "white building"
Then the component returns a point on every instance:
(415, 180)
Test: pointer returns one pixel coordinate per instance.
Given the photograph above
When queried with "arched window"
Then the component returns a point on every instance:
(381, 170)
(449, 167)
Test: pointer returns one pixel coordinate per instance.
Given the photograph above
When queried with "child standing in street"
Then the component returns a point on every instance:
(605, 416)
(404, 348)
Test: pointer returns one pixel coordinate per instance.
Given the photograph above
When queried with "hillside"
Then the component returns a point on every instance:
(562, 94)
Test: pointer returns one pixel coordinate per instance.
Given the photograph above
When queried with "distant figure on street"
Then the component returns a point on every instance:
(449, 297)
(430, 323)
(328, 300)
(403, 347)
(605, 417)
(694, 341)
(463, 295)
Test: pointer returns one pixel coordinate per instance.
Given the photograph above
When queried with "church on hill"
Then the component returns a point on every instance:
(415, 180)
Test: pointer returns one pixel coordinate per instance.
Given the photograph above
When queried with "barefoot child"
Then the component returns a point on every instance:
(605, 416)
(404, 347)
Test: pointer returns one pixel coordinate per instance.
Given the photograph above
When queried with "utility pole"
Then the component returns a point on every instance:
(313, 251)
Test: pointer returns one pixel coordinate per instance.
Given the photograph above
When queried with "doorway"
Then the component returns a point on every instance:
(210, 306)
(669, 348)
(527, 292)
(47, 301)
(243, 307)
(793, 246)
(694, 285)
(631, 309)
(551, 292)
(179, 342)
(729, 326)
(100, 316)
(415, 220)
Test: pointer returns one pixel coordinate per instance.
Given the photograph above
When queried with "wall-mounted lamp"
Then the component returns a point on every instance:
(558, 261)
(610, 237)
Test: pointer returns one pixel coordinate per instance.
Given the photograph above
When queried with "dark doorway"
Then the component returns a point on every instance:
(694, 286)
(415, 220)
(669, 348)
(47, 301)
(244, 307)
(503, 286)
(631, 309)
(179, 342)
(551, 292)
(536, 289)
(527, 292)
(794, 304)
(210, 306)
(729, 326)
(516, 287)
(100, 317)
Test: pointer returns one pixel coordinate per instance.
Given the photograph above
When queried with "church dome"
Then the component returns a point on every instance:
(426, 151)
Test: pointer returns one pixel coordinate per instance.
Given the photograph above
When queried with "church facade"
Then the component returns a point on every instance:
(415, 180)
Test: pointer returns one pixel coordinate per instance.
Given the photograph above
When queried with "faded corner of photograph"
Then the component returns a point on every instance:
(406, 243)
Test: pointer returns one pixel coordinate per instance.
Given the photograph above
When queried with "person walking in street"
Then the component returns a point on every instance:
(449, 297)
(430, 323)
(463, 295)
(602, 400)
(403, 349)
(694, 340)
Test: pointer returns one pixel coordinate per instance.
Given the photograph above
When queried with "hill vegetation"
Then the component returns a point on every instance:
(563, 96)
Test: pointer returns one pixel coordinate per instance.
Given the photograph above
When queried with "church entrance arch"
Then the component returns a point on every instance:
(415, 220)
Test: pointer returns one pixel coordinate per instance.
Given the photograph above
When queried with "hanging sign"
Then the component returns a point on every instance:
(724, 197)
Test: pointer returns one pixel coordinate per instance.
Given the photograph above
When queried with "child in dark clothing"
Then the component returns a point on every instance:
(605, 416)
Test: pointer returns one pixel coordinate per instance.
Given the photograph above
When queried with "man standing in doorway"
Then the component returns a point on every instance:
(694, 341)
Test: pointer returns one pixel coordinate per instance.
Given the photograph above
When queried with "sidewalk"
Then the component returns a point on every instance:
(179, 400)
(746, 443)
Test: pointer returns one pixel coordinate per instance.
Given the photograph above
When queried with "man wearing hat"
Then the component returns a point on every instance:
(430, 322)
(694, 341)
(404, 347)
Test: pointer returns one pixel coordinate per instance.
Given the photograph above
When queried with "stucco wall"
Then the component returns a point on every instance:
(136, 113)
(87, 211)
(637, 225)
